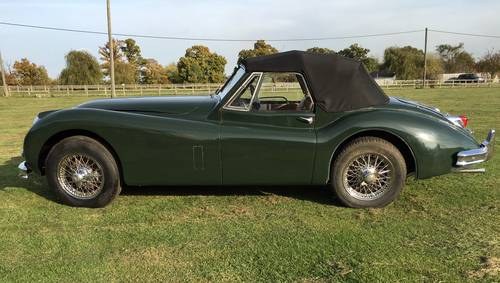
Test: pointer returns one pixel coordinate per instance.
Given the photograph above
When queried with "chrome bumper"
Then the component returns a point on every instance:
(24, 170)
(467, 158)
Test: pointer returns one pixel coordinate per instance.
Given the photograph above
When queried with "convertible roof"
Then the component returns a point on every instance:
(337, 83)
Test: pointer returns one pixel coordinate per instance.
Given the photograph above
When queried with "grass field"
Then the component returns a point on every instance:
(441, 229)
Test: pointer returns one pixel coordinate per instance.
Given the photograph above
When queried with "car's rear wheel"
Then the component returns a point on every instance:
(82, 172)
(368, 172)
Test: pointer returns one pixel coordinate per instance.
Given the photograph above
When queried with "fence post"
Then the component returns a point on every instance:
(86, 90)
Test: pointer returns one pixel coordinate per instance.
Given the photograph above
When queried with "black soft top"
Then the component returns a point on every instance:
(337, 83)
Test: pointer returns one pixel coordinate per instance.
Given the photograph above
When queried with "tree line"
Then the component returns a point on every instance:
(200, 65)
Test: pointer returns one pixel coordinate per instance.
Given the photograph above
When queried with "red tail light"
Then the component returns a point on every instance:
(464, 120)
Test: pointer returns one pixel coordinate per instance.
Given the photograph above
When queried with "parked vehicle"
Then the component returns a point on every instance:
(466, 78)
(337, 128)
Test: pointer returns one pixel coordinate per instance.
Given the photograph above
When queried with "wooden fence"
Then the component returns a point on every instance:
(204, 89)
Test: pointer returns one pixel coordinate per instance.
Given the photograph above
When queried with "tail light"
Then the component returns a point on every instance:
(460, 121)
(464, 120)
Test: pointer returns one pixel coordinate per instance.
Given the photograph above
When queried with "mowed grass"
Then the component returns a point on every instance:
(441, 229)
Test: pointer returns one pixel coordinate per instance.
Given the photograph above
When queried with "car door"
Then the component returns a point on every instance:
(267, 132)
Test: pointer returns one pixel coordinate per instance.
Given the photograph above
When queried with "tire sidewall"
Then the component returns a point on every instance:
(90, 147)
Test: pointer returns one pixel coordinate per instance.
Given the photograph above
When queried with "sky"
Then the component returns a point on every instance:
(253, 19)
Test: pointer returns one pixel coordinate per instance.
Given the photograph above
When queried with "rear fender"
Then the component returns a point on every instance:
(434, 142)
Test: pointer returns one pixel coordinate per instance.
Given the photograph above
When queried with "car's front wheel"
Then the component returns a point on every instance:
(82, 172)
(368, 172)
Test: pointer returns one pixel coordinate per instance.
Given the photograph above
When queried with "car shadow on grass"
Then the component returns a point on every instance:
(9, 178)
(318, 194)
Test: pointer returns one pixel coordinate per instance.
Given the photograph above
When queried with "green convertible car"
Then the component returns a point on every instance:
(291, 118)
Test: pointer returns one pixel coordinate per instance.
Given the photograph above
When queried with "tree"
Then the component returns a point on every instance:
(9, 77)
(320, 50)
(27, 73)
(172, 73)
(199, 65)
(490, 63)
(131, 51)
(455, 59)
(153, 72)
(81, 68)
(434, 67)
(125, 73)
(357, 52)
(406, 62)
(105, 53)
(260, 48)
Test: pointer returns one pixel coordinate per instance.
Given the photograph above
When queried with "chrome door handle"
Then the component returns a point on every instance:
(308, 120)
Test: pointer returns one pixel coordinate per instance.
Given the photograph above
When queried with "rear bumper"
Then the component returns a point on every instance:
(467, 158)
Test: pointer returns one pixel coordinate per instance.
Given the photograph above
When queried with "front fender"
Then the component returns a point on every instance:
(153, 149)
(433, 141)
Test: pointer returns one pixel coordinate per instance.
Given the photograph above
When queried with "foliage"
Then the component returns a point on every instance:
(131, 51)
(320, 50)
(455, 59)
(125, 73)
(490, 63)
(172, 73)
(105, 53)
(9, 77)
(434, 67)
(27, 73)
(153, 72)
(81, 68)
(199, 65)
(360, 53)
(406, 62)
(260, 48)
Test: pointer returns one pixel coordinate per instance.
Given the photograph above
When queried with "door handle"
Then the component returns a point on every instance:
(308, 120)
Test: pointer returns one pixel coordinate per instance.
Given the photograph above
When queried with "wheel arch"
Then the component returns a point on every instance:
(54, 139)
(396, 140)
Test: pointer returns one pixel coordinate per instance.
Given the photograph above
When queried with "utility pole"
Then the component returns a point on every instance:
(5, 87)
(111, 51)
(425, 59)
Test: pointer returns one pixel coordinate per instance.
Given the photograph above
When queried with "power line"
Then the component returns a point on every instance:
(203, 38)
(467, 34)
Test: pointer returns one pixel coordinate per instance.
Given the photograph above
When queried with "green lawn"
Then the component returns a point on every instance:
(442, 229)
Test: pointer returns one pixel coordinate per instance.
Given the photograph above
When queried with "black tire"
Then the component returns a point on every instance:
(353, 186)
(100, 159)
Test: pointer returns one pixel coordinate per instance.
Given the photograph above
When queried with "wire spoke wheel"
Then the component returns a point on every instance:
(368, 176)
(80, 176)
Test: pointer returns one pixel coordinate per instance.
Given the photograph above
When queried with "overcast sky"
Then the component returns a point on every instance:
(240, 19)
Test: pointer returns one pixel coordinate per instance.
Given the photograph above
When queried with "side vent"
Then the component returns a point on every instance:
(198, 160)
